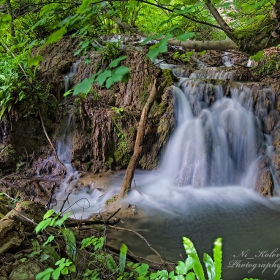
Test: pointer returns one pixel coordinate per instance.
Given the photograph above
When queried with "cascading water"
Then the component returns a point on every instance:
(212, 146)
(202, 188)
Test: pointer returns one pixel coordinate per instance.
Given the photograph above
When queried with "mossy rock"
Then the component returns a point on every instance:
(4, 203)
(111, 200)
(8, 156)
(25, 271)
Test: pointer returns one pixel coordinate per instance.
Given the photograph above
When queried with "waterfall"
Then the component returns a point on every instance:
(218, 139)
(70, 75)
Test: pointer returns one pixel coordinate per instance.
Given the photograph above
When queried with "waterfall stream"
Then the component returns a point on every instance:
(205, 185)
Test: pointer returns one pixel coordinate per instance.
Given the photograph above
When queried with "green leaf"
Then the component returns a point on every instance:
(70, 241)
(161, 47)
(68, 92)
(56, 36)
(42, 225)
(122, 260)
(143, 269)
(56, 273)
(50, 239)
(61, 221)
(48, 214)
(181, 268)
(109, 82)
(191, 276)
(217, 254)
(210, 266)
(191, 252)
(122, 70)
(258, 56)
(185, 36)
(116, 61)
(83, 87)
(84, 6)
(101, 78)
(34, 61)
(44, 275)
(153, 53)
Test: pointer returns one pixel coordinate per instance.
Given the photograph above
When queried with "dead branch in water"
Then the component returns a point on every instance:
(55, 153)
(153, 202)
(142, 237)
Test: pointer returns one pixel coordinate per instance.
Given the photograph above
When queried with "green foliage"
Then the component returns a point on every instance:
(101, 264)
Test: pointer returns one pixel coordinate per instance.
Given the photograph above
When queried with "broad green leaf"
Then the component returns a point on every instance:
(109, 82)
(122, 260)
(84, 6)
(191, 252)
(153, 53)
(116, 61)
(42, 225)
(185, 36)
(191, 276)
(122, 70)
(258, 56)
(84, 86)
(181, 268)
(217, 254)
(56, 273)
(179, 277)
(101, 78)
(34, 61)
(44, 275)
(142, 269)
(210, 266)
(48, 214)
(60, 222)
(56, 36)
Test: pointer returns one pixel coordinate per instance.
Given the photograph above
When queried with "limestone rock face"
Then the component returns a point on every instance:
(264, 182)
(106, 126)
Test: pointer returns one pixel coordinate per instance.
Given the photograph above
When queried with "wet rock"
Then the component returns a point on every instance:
(263, 162)
(276, 158)
(25, 271)
(4, 203)
(270, 121)
(275, 135)
(11, 234)
(264, 183)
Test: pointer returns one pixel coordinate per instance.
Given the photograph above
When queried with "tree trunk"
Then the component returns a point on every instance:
(138, 144)
(12, 26)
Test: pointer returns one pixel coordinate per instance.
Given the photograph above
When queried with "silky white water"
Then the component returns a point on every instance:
(204, 185)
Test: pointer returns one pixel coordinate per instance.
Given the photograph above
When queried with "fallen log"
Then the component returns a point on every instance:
(23, 218)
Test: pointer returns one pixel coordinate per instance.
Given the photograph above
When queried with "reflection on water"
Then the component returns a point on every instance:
(248, 222)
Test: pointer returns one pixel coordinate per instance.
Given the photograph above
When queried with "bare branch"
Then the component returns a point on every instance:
(224, 26)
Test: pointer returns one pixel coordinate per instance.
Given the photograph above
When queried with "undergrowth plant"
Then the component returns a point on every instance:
(64, 262)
